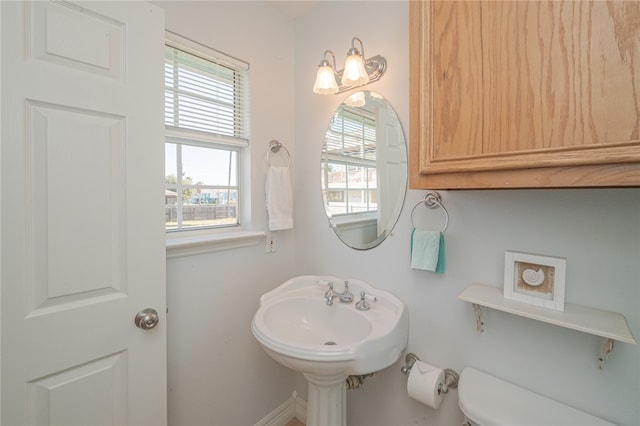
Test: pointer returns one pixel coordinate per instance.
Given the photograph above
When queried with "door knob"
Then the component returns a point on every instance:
(146, 319)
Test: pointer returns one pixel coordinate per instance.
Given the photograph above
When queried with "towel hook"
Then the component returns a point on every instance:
(274, 146)
(432, 201)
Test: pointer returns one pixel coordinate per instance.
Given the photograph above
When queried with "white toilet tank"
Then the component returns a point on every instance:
(488, 401)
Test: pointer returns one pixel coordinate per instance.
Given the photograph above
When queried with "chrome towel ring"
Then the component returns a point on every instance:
(432, 201)
(274, 146)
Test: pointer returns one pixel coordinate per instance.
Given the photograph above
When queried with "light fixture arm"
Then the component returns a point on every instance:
(353, 50)
(324, 62)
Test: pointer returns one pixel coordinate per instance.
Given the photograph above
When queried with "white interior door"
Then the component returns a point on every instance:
(391, 164)
(82, 213)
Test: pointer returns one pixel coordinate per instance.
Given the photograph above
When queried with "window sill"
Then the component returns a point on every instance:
(354, 221)
(187, 246)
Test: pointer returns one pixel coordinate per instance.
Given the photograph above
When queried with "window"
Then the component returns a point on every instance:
(349, 169)
(206, 121)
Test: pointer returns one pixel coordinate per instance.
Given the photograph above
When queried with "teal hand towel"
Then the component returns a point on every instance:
(427, 250)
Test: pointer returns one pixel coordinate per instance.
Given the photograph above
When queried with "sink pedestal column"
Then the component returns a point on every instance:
(327, 399)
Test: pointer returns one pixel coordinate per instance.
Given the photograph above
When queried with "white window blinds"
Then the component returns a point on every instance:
(352, 138)
(205, 95)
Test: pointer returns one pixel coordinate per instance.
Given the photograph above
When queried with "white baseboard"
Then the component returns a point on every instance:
(285, 412)
(301, 409)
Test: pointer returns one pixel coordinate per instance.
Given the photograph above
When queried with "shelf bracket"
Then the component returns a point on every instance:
(607, 348)
(477, 310)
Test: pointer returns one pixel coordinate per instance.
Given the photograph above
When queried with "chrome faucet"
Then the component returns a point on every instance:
(345, 297)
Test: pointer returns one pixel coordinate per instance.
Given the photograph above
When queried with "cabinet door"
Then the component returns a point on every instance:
(525, 94)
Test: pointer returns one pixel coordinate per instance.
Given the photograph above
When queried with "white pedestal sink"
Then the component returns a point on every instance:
(327, 344)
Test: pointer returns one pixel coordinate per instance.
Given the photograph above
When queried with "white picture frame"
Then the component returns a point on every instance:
(535, 279)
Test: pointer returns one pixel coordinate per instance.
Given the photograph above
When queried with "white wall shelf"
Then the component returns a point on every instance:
(611, 326)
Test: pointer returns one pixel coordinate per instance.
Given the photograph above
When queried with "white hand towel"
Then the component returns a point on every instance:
(279, 198)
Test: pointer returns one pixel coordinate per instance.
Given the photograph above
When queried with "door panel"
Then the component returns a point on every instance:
(56, 185)
(82, 213)
(54, 34)
(391, 166)
(90, 394)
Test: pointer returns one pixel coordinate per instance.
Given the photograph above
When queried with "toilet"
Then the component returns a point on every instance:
(488, 401)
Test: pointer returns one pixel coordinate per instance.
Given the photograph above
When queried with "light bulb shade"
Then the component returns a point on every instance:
(325, 81)
(354, 73)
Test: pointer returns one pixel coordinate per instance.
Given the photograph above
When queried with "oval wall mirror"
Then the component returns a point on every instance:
(364, 170)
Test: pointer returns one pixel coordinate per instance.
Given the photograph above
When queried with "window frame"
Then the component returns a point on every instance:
(180, 186)
(238, 143)
(363, 122)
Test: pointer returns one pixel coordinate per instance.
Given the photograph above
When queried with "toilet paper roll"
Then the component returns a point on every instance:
(423, 383)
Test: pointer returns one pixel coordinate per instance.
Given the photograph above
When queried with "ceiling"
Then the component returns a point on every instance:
(295, 8)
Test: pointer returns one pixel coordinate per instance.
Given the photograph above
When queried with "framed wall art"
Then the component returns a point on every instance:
(535, 279)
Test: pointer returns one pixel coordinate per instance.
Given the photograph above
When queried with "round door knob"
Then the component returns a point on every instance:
(146, 319)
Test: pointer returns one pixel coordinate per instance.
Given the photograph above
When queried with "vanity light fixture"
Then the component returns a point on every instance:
(326, 77)
(358, 71)
(354, 73)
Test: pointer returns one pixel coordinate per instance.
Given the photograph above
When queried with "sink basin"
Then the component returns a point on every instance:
(296, 327)
(304, 324)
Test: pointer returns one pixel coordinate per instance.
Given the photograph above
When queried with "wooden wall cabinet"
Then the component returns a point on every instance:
(533, 94)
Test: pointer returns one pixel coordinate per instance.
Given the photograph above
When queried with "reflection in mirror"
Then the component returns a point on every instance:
(364, 170)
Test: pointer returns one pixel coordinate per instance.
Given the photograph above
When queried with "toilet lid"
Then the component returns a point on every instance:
(489, 401)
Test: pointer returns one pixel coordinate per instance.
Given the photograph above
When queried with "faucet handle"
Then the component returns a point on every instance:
(330, 291)
(363, 305)
(346, 296)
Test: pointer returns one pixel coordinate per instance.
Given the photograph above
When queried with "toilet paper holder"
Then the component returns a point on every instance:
(451, 377)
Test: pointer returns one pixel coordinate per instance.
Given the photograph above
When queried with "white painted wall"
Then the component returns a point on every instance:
(598, 231)
(218, 375)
